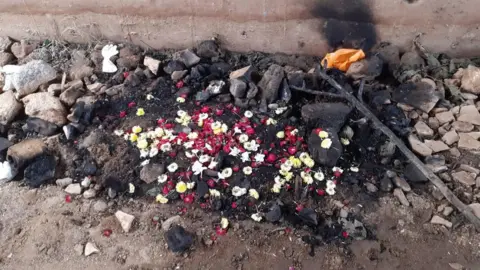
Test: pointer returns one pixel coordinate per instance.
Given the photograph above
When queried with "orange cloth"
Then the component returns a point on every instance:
(343, 58)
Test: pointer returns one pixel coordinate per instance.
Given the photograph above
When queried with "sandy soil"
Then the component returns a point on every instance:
(40, 231)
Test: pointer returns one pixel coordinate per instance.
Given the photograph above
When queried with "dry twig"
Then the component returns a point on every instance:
(464, 209)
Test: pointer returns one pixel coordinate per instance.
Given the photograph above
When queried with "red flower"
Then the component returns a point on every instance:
(283, 143)
(188, 174)
(234, 205)
(180, 84)
(165, 190)
(236, 168)
(299, 207)
(172, 154)
(321, 192)
(292, 150)
(271, 158)
(107, 232)
(235, 110)
(250, 131)
(220, 231)
(160, 121)
(123, 114)
(211, 183)
(345, 234)
(229, 106)
(188, 199)
(125, 74)
(169, 125)
(68, 198)
(318, 130)
(219, 112)
(205, 109)
(337, 174)
(132, 104)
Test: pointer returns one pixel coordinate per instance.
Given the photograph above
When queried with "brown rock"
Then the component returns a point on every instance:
(6, 58)
(419, 147)
(450, 137)
(70, 96)
(464, 177)
(9, 107)
(436, 146)
(445, 117)
(46, 107)
(467, 141)
(433, 123)
(23, 48)
(401, 196)
(462, 126)
(423, 130)
(470, 169)
(469, 114)
(245, 73)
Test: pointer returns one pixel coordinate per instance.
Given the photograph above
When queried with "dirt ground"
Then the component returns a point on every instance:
(39, 230)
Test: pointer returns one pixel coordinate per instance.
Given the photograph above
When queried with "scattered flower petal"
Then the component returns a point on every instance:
(326, 144)
(245, 156)
(118, 132)
(145, 162)
(344, 141)
(180, 99)
(140, 112)
(162, 178)
(259, 158)
(214, 193)
(238, 191)
(254, 194)
(131, 188)
(198, 168)
(224, 223)
(280, 134)
(190, 185)
(354, 169)
(247, 170)
(161, 199)
(257, 217)
(323, 134)
(172, 167)
(319, 176)
(248, 114)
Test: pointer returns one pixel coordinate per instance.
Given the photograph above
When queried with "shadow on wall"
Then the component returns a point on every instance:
(346, 23)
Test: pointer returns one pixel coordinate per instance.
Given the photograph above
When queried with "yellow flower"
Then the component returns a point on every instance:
(224, 223)
(345, 141)
(161, 199)
(283, 172)
(304, 156)
(253, 193)
(323, 134)
(180, 100)
(131, 188)
(136, 129)
(133, 137)
(288, 176)
(214, 193)
(159, 132)
(181, 187)
(217, 131)
(297, 163)
(309, 162)
(280, 134)
(142, 144)
(276, 188)
(140, 112)
(326, 143)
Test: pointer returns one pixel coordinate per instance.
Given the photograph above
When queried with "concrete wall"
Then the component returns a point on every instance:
(290, 26)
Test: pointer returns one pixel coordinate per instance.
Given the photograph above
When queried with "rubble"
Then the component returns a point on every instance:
(90, 249)
(9, 107)
(423, 130)
(45, 107)
(126, 220)
(467, 179)
(74, 189)
(419, 147)
(469, 114)
(441, 221)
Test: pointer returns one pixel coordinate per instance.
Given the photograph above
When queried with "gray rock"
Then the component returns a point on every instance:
(4, 144)
(31, 75)
(151, 172)
(326, 115)
(386, 184)
(441, 221)
(243, 73)
(436, 146)
(224, 98)
(252, 90)
(469, 114)
(476, 208)
(55, 89)
(401, 197)
(215, 87)
(433, 123)
(326, 157)
(419, 147)
(387, 149)
(238, 88)
(90, 249)
(89, 193)
(128, 58)
(6, 58)
(70, 96)
(471, 79)
(447, 211)
(23, 48)
(413, 174)
(46, 107)
(178, 75)
(126, 220)
(401, 183)
(152, 64)
(74, 189)
(450, 137)
(95, 87)
(100, 206)
(64, 182)
(172, 66)
(270, 84)
(423, 130)
(167, 224)
(187, 57)
(420, 95)
(368, 68)
(114, 90)
(466, 178)
(445, 117)
(467, 141)
(9, 107)
(411, 61)
(470, 169)
(371, 187)
(208, 49)
(462, 126)
(112, 193)
(5, 43)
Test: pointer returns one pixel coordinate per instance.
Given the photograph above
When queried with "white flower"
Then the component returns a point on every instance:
(245, 156)
(224, 223)
(145, 162)
(131, 188)
(277, 187)
(190, 185)
(189, 154)
(153, 152)
(345, 141)
(303, 156)
(224, 128)
(236, 130)
(118, 132)
(248, 114)
(254, 194)
(214, 193)
(227, 172)
(307, 179)
(257, 217)
(330, 190)
(285, 167)
(149, 97)
(198, 167)
(335, 169)
(234, 151)
(279, 180)
(204, 158)
(238, 191)
(281, 110)
(195, 151)
(166, 147)
(203, 116)
(251, 146)
(216, 125)
(172, 167)
(259, 157)
(159, 132)
(144, 153)
(208, 146)
(330, 184)
(126, 137)
(212, 165)
(354, 169)
(271, 121)
(243, 138)
(193, 136)
(162, 178)
(181, 113)
(326, 144)
(188, 145)
(319, 176)
(247, 170)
